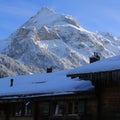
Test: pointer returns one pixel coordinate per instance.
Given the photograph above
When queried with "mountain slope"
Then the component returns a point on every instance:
(49, 39)
(10, 67)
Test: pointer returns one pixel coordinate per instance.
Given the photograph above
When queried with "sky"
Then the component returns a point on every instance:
(93, 15)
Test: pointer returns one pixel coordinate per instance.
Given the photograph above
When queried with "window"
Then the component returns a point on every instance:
(59, 108)
(70, 108)
(46, 108)
(28, 108)
(18, 109)
(23, 109)
(80, 107)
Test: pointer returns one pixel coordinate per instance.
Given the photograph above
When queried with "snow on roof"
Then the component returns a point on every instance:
(112, 63)
(43, 84)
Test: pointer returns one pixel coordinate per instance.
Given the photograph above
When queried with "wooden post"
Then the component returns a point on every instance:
(98, 93)
(73, 107)
(51, 110)
(35, 108)
(66, 108)
(6, 112)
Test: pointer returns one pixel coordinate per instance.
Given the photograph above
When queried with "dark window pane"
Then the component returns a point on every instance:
(46, 108)
(80, 107)
(28, 108)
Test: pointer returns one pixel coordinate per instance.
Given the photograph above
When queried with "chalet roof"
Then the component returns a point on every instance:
(47, 84)
(112, 63)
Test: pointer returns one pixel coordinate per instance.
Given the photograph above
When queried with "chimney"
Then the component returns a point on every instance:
(11, 82)
(94, 58)
(49, 70)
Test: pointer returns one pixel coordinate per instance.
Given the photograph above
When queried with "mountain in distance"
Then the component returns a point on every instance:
(49, 39)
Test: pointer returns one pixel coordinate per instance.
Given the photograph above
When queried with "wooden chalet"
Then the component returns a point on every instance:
(50, 96)
(105, 76)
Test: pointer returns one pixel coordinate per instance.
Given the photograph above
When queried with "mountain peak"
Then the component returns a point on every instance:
(45, 10)
(49, 18)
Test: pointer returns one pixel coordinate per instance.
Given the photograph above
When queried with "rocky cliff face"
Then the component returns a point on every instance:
(49, 39)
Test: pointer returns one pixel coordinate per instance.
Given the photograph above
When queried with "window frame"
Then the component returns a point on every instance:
(22, 109)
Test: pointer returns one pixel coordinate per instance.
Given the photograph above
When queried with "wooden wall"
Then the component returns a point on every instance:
(92, 108)
(68, 107)
(20, 118)
(110, 103)
(107, 87)
(41, 110)
(8, 112)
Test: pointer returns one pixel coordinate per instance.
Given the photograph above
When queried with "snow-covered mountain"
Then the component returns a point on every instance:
(53, 40)
(10, 67)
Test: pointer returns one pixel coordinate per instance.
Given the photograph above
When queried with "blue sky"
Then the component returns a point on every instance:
(93, 15)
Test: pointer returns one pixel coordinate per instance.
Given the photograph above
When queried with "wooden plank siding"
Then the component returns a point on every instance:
(45, 108)
(8, 111)
(101, 78)
(110, 103)
(107, 87)
(69, 111)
